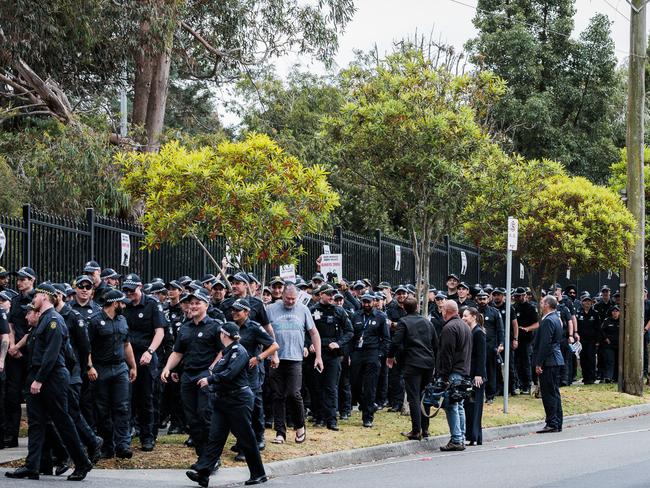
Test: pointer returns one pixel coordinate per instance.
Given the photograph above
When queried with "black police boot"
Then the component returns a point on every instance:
(256, 481)
(61, 467)
(200, 478)
(125, 453)
(147, 446)
(80, 473)
(333, 426)
(240, 457)
(11, 442)
(22, 473)
(95, 452)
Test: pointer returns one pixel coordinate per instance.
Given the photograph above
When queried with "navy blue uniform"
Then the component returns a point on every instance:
(16, 368)
(494, 337)
(46, 346)
(609, 347)
(169, 404)
(257, 313)
(88, 310)
(526, 316)
(370, 341)
(143, 320)
(333, 327)
(514, 377)
(589, 330)
(111, 389)
(199, 344)
(395, 374)
(255, 339)
(231, 412)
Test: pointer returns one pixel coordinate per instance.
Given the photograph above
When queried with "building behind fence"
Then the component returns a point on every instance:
(57, 248)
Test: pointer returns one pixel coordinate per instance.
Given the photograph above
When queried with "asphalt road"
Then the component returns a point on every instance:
(612, 454)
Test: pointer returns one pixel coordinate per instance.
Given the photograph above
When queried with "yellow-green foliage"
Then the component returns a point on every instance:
(563, 221)
(259, 198)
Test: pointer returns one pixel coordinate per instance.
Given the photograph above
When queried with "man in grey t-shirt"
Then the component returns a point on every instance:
(290, 320)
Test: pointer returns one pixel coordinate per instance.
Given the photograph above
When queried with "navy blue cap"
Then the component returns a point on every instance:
(231, 330)
(241, 304)
(131, 281)
(113, 296)
(26, 272)
(46, 288)
(83, 279)
(91, 267)
(241, 276)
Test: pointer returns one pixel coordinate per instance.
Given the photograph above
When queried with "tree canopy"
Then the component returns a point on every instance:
(252, 193)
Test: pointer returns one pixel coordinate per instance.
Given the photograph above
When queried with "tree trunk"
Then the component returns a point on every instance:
(142, 86)
(157, 98)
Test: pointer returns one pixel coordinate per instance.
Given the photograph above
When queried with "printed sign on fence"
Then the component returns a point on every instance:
(3, 242)
(288, 273)
(398, 258)
(463, 262)
(125, 249)
(332, 263)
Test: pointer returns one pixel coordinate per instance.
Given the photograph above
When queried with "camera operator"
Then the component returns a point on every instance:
(453, 366)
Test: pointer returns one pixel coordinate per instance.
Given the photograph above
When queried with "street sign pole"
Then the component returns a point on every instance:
(513, 231)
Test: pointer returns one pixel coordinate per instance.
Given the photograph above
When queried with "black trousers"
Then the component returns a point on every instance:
(566, 371)
(345, 387)
(327, 384)
(365, 370)
(610, 362)
(523, 357)
(16, 375)
(232, 413)
(588, 360)
(142, 397)
(396, 386)
(415, 379)
(111, 392)
(474, 416)
(3, 381)
(491, 369)
(86, 434)
(286, 382)
(381, 397)
(197, 410)
(52, 404)
(549, 384)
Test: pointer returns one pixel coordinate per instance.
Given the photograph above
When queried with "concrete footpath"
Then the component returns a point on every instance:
(328, 461)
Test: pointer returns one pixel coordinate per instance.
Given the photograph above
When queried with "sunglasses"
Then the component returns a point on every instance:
(84, 287)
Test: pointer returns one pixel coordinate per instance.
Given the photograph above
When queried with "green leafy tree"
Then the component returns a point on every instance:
(257, 197)
(564, 95)
(408, 135)
(618, 183)
(564, 222)
(53, 53)
(63, 169)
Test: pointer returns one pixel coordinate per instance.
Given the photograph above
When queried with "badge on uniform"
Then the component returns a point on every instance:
(160, 307)
(81, 323)
(102, 323)
(200, 334)
(234, 355)
(317, 315)
(140, 315)
(53, 325)
(90, 310)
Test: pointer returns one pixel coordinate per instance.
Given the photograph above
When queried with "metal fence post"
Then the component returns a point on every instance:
(90, 219)
(478, 265)
(448, 251)
(27, 242)
(338, 237)
(148, 269)
(379, 256)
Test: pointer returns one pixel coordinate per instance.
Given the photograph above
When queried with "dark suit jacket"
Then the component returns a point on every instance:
(415, 341)
(479, 351)
(546, 347)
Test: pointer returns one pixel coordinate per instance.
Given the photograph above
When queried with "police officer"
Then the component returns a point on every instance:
(231, 411)
(371, 340)
(336, 332)
(499, 302)
(80, 348)
(493, 326)
(16, 367)
(394, 312)
(463, 300)
(240, 291)
(528, 322)
(197, 346)
(48, 396)
(110, 277)
(147, 329)
(111, 367)
(609, 345)
(5, 303)
(589, 330)
(93, 270)
(170, 406)
(259, 345)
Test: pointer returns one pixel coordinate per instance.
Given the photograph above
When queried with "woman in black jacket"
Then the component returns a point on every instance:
(474, 407)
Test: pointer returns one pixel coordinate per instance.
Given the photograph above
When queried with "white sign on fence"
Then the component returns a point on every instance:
(332, 263)
(398, 258)
(521, 271)
(288, 273)
(125, 249)
(463, 262)
(326, 249)
(568, 273)
(3, 242)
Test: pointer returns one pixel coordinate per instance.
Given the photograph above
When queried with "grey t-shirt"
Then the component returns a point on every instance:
(290, 325)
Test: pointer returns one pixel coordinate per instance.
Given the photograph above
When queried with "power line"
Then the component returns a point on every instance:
(529, 24)
(617, 10)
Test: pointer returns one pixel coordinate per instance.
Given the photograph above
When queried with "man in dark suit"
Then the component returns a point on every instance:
(548, 359)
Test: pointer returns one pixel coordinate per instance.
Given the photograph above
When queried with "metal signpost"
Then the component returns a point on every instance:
(513, 233)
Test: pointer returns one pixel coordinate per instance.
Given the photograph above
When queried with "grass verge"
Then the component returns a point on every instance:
(170, 453)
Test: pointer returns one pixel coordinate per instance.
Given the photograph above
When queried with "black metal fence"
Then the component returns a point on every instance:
(57, 249)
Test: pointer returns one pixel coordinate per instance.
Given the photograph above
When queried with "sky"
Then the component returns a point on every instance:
(450, 21)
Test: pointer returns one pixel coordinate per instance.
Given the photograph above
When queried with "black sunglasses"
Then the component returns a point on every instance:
(84, 287)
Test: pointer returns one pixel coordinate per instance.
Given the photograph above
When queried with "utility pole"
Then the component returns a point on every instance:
(634, 273)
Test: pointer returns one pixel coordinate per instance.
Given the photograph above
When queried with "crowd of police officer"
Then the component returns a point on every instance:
(113, 358)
